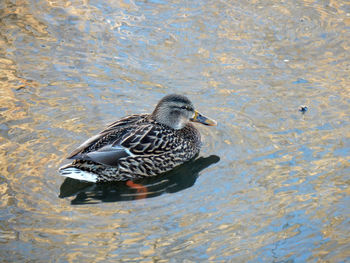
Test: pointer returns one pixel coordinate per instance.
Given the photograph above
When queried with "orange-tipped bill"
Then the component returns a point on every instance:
(197, 117)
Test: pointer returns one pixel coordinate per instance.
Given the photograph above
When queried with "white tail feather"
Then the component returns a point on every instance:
(78, 174)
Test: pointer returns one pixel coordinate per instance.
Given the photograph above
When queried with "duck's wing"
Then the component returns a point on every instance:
(97, 142)
(129, 120)
(140, 140)
(149, 139)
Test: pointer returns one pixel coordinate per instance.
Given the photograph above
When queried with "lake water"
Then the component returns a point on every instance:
(271, 184)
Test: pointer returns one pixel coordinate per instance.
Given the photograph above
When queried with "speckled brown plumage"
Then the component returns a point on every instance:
(139, 145)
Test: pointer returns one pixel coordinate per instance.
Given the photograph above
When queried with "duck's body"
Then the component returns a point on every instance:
(140, 145)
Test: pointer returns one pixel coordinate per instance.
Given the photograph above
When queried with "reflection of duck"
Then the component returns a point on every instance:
(139, 146)
(180, 178)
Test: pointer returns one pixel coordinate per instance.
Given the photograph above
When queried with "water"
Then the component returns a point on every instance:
(272, 184)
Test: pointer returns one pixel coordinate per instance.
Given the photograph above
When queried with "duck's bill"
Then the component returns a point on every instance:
(197, 117)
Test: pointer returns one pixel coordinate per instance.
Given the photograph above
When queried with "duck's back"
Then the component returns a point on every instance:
(134, 147)
(112, 133)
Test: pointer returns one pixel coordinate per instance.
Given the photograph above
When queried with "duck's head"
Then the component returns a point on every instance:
(176, 111)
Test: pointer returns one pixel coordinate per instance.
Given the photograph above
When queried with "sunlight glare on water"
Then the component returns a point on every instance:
(271, 183)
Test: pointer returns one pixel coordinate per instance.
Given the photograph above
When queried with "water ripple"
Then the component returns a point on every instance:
(280, 191)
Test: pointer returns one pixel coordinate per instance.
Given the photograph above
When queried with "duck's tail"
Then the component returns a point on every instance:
(70, 171)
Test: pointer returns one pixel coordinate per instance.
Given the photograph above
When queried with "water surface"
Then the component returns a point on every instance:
(277, 189)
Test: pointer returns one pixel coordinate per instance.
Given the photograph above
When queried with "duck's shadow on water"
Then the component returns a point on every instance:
(176, 180)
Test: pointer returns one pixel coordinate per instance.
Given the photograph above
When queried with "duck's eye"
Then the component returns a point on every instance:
(188, 108)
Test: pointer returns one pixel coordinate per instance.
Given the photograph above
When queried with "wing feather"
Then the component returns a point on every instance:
(126, 137)
(116, 129)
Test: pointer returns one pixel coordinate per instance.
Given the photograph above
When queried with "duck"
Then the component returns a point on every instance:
(140, 145)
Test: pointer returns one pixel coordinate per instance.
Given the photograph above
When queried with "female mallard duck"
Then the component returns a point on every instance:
(140, 145)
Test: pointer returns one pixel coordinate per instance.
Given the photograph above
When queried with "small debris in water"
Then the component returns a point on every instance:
(303, 109)
(20, 87)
